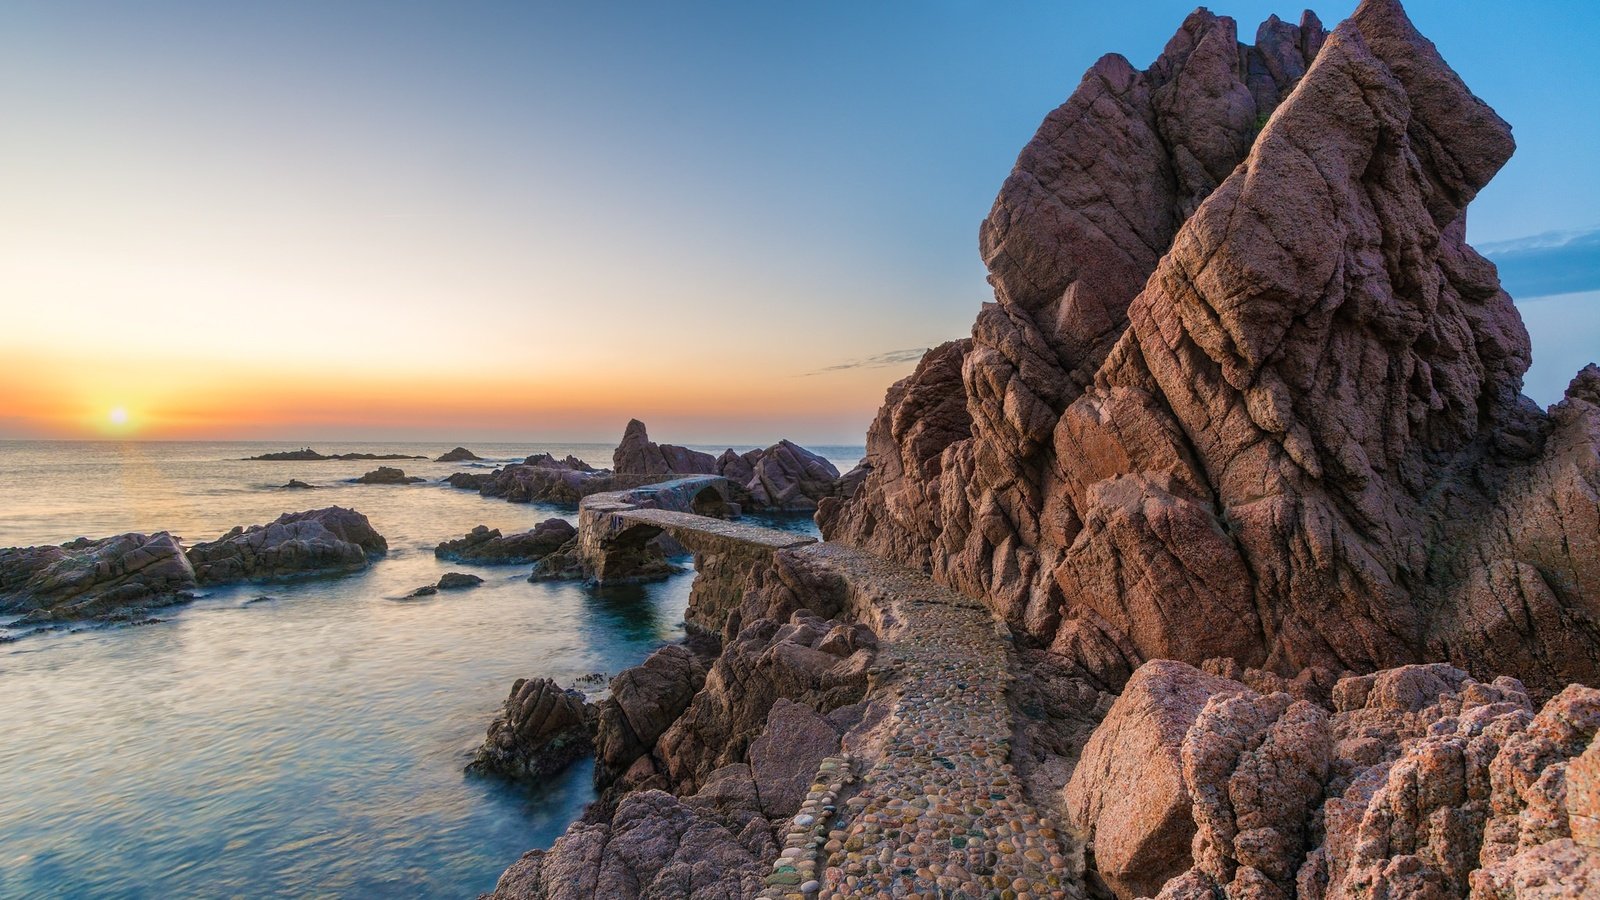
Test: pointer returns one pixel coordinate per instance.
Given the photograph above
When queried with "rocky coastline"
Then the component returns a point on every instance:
(1224, 559)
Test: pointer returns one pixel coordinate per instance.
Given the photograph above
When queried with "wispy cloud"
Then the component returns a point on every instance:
(1544, 265)
(879, 361)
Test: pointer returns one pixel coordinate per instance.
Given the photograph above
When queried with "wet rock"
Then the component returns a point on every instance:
(316, 542)
(541, 730)
(298, 485)
(454, 580)
(105, 578)
(388, 475)
(459, 454)
(488, 546)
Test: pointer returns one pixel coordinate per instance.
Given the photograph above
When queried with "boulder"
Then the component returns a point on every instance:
(487, 546)
(638, 455)
(785, 476)
(470, 481)
(106, 578)
(784, 759)
(456, 580)
(388, 475)
(298, 485)
(459, 454)
(541, 730)
(1127, 794)
(316, 542)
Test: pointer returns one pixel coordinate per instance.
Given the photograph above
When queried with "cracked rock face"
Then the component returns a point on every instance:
(93, 578)
(540, 731)
(315, 542)
(1243, 369)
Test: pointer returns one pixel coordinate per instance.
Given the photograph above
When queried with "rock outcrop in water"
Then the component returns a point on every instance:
(316, 542)
(785, 476)
(459, 454)
(487, 546)
(309, 455)
(82, 579)
(542, 730)
(1242, 369)
(388, 475)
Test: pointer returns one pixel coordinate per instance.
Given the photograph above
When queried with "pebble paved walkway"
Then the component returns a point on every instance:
(939, 813)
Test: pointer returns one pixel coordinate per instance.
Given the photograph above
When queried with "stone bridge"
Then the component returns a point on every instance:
(614, 528)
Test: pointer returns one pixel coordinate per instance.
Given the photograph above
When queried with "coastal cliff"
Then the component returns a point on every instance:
(1245, 391)
(1225, 559)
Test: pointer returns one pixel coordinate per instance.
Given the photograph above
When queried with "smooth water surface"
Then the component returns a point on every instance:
(300, 738)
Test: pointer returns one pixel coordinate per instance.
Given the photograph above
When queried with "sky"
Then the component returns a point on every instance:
(310, 221)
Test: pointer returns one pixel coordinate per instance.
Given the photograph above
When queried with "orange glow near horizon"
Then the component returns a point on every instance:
(208, 399)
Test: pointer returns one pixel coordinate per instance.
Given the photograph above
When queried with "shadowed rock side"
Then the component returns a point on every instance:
(459, 454)
(784, 476)
(487, 546)
(541, 730)
(1243, 370)
(85, 578)
(388, 475)
(316, 542)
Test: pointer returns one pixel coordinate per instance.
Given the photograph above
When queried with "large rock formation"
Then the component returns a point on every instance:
(86, 578)
(487, 546)
(459, 454)
(316, 542)
(541, 730)
(784, 476)
(1242, 369)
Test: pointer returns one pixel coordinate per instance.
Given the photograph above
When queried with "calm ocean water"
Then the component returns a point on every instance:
(310, 744)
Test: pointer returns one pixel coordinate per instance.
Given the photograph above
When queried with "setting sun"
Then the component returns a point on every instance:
(119, 416)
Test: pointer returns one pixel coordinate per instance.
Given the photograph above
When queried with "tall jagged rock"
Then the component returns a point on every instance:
(1245, 390)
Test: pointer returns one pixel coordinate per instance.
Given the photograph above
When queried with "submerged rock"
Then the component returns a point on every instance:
(316, 542)
(106, 578)
(459, 454)
(454, 580)
(388, 475)
(488, 547)
(298, 485)
(541, 731)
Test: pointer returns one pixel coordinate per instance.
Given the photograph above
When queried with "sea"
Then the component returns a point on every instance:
(301, 738)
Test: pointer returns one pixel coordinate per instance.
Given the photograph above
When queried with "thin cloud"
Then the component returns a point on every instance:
(1545, 265)
(881, 360)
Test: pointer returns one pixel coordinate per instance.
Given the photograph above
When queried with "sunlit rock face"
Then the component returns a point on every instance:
(1245, 391)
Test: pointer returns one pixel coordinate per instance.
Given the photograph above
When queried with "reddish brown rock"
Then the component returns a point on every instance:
(1243, 369)
(638, 455)
(540, 731)
(315, 542)
(1127, 793)
(644, 702)
(85, 578)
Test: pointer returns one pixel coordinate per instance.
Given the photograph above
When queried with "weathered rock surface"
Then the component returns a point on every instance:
(315, 542)
(86, 578)
(1127, 794)
(541, 730)
(388, 475)
(459, 454)
(570, 463)
(487, 546)
(1243, 369)
(638, 455)
(785, 476)
(1419, 781)
(644, 702)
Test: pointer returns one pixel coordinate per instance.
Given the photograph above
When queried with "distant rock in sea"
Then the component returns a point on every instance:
(388, 475)
(459, 454)
(571, 463)
(298, 485)
(309, 455)
(106, 578)
(487, 546)
(784, 476)
(450, 581)
(316, 542)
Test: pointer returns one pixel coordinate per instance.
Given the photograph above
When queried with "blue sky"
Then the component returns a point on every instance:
(727, 218)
